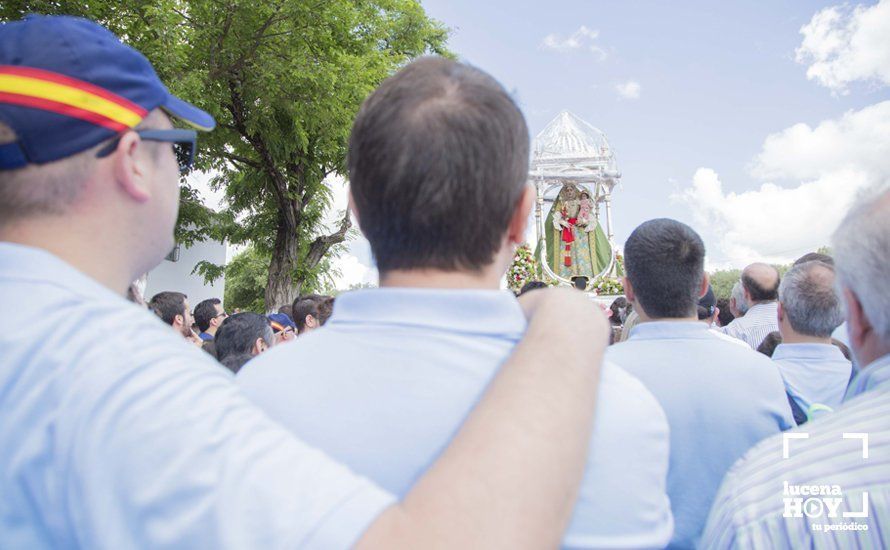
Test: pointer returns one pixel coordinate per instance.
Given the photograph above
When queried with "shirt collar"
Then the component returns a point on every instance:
(493, 312)
(809, 351)
(869, 378)
(27, 263)
(659, 330)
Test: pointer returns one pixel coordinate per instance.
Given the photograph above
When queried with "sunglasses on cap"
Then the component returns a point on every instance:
(184, 143)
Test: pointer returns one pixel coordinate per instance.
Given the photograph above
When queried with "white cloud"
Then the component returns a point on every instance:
(629, 90)
(843, 45)
(582, 39)
(825, 167)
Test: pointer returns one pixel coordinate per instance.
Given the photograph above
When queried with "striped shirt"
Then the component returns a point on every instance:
(760, 320)
(837, 467)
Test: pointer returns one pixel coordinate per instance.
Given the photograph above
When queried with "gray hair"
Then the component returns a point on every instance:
(861, 246)
(809, 299)
(738, 293)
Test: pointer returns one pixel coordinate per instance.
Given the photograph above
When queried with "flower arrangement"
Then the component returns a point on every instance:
(523, 268)
(607, 286)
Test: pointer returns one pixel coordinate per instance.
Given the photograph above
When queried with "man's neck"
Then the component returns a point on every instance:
(791, 337)
(434, 278)
(645, 318)
(211, 330)
(76, 247)
(761, 303)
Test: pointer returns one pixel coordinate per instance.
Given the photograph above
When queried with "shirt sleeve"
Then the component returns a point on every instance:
(171, 454)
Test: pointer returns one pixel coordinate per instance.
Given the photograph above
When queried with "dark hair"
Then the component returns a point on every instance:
(815, 257)
(725, 316)
(235, 361)
(168, 304)
(616, 306)
(206, 312)
(760, 293)
(438, 160)
(287, 310)
(315, 305)
(238, 333)
(770, 343)
(664, 261)
(531, 285)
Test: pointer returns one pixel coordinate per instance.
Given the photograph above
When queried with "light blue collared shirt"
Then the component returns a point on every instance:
(813, 373)
(387, 382)
(116, 433)
(756, 506)
(720, 399)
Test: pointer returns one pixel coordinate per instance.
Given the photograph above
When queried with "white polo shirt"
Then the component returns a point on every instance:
(116, 433)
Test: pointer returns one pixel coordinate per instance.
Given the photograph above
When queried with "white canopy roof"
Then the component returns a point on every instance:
(570, 149)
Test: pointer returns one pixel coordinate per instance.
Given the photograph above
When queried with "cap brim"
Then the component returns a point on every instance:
(188, 113)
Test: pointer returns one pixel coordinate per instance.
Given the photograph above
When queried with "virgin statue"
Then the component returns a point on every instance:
(577, 246)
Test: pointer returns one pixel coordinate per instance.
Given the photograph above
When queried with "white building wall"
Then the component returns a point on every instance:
(177, 275)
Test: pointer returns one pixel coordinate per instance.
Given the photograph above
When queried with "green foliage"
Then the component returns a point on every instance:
(246, 281)
(722, 282)
(284, 80)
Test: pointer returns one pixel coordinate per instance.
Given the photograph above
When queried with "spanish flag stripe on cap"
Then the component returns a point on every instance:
(68, 96)
(62, 109)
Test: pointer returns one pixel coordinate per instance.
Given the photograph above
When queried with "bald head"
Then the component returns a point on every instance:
(761, 283)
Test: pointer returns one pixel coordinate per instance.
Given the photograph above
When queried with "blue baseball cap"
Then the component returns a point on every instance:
(67, 84)
(282, 320)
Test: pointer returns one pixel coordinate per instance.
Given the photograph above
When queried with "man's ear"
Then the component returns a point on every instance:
(780, 314)
(705, 283)
(311, 322)
(350, 205)
(179, 320)
(858, 325)
(259, 346)
(628, 289)
(519, 221)
(131, 168)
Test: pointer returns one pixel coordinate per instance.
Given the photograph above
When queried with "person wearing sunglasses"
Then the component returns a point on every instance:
(141, 440)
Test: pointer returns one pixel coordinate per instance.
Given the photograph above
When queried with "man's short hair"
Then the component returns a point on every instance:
(238, 333)
(664, 261)
(438, 160)
(815, 257)
(315, 305)
(287, 310)
(168, 304)
(861, 247)
(809, 299)
(738, 293)
(205, 312)
(725, 316)
(760, 293)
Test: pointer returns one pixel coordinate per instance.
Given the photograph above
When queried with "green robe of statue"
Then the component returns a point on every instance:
(589, 254)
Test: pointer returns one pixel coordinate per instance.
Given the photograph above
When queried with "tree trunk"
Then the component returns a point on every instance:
(281, 289)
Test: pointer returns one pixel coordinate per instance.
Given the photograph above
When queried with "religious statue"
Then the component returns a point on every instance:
(577, 246)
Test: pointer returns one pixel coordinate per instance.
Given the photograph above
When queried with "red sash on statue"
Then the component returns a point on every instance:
(568, 237)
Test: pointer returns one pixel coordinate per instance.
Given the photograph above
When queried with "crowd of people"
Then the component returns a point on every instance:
(436, 410)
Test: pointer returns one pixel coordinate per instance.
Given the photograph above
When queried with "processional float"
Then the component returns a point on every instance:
(574, 171)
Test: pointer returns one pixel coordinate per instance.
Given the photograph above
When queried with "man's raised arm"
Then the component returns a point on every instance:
(510, 477)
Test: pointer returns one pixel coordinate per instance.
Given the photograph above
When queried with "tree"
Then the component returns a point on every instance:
(284, 80)
(246, 281)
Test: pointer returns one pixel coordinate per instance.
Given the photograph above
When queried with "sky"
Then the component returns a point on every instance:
(755, 123)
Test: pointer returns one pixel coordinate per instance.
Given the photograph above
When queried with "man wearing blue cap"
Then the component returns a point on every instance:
(118, 434)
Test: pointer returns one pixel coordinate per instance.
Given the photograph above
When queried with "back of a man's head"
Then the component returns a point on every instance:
(239, 333)
(738, 297)
(761, 282)
(861, 247)
(438, 161)
(168, 304)
(205, 312)
(664, 262)
(809, 300)
(311, 311)
(815, 257)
